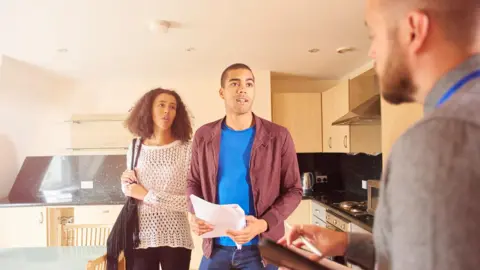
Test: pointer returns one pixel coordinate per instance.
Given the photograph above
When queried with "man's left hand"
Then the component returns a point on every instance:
(254, 227)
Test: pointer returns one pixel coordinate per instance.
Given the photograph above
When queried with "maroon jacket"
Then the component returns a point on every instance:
(274, 174)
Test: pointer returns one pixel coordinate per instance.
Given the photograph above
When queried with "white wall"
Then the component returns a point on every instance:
(199, 92)
(33, 104)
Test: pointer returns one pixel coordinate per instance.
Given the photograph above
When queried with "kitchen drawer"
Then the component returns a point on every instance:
(318, 222)
(318, 211)
(97, 214)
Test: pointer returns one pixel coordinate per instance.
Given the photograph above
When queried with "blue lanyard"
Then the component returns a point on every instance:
(458, 85)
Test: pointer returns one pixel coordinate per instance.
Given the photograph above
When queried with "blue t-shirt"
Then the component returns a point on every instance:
(233, 180)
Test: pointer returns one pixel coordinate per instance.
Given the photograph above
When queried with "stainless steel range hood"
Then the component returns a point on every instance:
(367, 113)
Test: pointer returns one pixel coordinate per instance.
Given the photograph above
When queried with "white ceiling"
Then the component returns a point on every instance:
(108, 38)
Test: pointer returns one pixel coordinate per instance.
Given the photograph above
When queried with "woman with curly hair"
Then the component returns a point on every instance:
(159, 180)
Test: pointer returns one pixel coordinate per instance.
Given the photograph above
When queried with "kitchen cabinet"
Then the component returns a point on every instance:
(23, 227)
(335, 105)
(396, 119)
(319, 214)
(301, 114)
(96, 214)
(197, 252)
(357, 229)
(337, 102)
(93, 133)
(302, 214)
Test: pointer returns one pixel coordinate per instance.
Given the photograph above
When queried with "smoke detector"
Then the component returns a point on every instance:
(159, 26)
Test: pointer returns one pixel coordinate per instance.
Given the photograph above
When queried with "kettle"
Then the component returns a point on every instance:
(308, 180)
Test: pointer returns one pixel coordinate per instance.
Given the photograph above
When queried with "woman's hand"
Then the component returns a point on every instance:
(129, 177)
(136, 191)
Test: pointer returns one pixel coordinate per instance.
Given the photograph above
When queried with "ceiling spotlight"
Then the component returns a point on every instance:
(159, 26)
(342, 50)
(62, 50)
(314, 50)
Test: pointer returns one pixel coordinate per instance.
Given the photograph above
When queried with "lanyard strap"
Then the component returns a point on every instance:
(458, 85)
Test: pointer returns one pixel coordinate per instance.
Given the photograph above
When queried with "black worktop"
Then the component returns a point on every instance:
(328, 199)
(68, 180)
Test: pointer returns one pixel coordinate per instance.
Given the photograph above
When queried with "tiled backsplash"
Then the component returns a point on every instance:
(344, 171)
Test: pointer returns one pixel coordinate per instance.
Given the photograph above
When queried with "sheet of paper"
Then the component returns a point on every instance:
(223, 217)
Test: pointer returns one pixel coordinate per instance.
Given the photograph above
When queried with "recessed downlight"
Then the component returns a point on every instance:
(62, 50)
(313, 50)
(343, 50)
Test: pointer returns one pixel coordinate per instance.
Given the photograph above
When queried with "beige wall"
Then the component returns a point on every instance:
(33, 104)
(200, 93)
(396, 119)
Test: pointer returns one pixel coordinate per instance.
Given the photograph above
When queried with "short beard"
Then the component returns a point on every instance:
(396, 82)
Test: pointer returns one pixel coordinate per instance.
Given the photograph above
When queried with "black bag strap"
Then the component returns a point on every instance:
(134, 159)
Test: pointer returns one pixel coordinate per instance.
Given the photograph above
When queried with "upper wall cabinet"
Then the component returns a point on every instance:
(297, 105)
(351, 116)
(103, 133)
(301, 114)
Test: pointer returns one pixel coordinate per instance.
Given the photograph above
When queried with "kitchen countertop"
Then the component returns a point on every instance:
(68, 181)
(328, 199)
(72, 202)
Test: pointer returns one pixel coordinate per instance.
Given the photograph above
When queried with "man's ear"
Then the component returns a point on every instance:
(220, 92)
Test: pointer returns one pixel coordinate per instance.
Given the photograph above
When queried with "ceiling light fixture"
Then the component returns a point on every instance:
(190, 49)
(159, 26)
(314, 50)
(343, 50)
(62, 50)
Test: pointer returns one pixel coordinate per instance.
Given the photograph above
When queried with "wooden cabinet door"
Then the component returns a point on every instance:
(301, 114)
(197, 252)
(341, 134)
(96, 214)
(328, 112)
(23, 227)
(302, 214)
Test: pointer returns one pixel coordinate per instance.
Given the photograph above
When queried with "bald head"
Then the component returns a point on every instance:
(458, 20)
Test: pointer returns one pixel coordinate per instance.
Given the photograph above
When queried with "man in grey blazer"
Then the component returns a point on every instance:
(428, 216)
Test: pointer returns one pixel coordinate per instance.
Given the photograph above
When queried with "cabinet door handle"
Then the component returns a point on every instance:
(40, 220)
(345, 141)
(330, 142)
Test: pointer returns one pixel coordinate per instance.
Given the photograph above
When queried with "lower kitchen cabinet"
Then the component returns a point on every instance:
(197, 252)
(302, 214)
(301, 114)
(96, 214)
(23, 227)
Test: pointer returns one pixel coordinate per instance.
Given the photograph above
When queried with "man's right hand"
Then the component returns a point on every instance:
(328, 242)
(199, 226)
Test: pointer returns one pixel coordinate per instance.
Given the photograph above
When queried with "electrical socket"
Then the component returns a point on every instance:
(321, 179)
(364, 184)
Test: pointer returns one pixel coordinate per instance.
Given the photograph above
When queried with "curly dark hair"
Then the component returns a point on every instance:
(140, 120)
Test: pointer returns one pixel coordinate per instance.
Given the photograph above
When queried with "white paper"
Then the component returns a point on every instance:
(222, 217)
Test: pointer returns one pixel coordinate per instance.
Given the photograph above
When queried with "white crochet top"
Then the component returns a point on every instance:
(163, 170)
